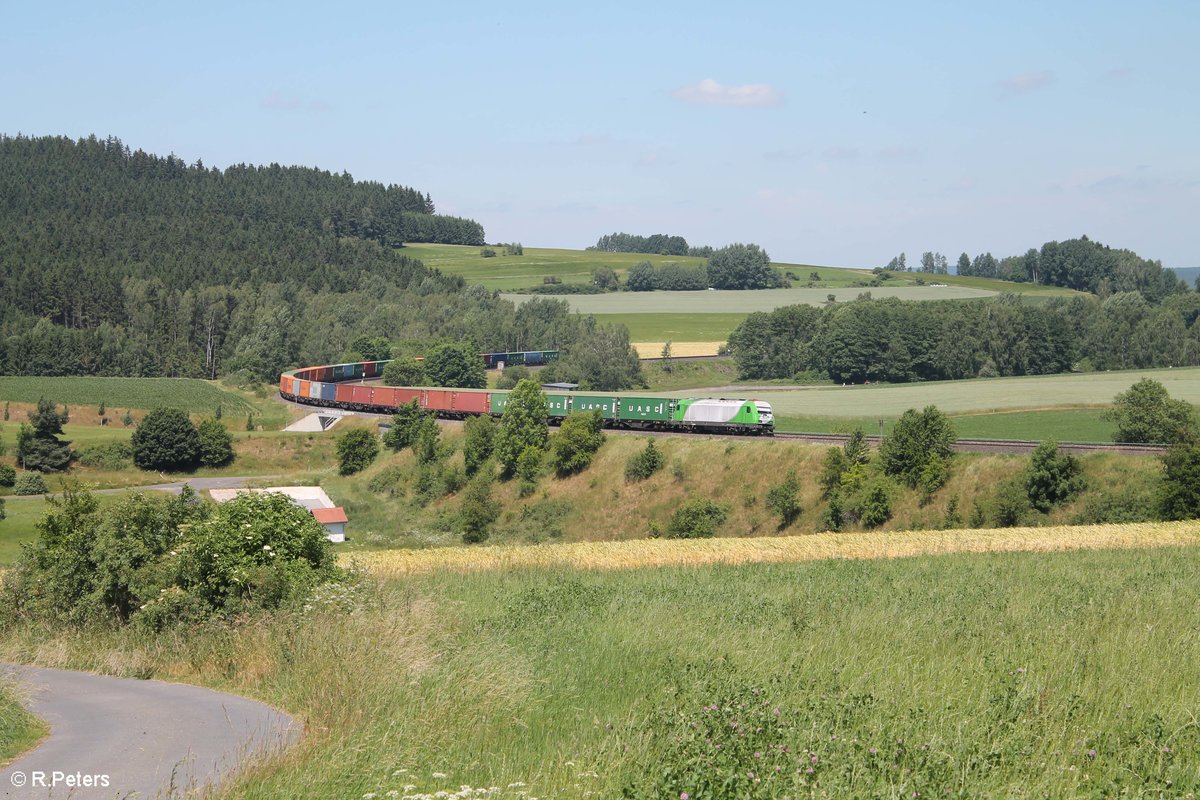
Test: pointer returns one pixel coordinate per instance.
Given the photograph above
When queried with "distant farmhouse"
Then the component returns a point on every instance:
(311, 497)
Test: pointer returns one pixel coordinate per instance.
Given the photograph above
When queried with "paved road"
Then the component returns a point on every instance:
(148, 738)
(175, 487)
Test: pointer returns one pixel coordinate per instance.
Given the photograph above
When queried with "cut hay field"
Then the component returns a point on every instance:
(1065, 425)
(981, 674)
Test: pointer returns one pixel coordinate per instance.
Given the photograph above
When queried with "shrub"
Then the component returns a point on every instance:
(405, 425)
(387, 481)
(112, 456)
(256, 551)
(916, 438)
(479, 437)
(356, 449)
(511, 376)
(216, 443)
(425, 448)
(166, 440)
(645, 463)
(487, 252)
(404, 372)
(577, 440)
(456, 366)
(478, 510)
(3, 513)
(8, 475)
(524, 424)
(783, 501)
(1053, 476)
(529, 467)
(1179, 496)
(874, 506)
(698, 518)
(1146, 413)
(30, 483)
(933, 477)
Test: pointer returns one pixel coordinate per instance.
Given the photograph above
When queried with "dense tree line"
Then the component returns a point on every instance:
(657, 244)
(115, 262)
(898, 341)
(1080, 264)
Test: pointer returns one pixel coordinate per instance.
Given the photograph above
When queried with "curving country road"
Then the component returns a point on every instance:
(144, 739)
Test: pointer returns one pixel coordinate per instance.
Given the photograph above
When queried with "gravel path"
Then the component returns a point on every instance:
(125, 738)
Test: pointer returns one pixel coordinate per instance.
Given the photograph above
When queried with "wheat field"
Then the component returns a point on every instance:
(695, 552)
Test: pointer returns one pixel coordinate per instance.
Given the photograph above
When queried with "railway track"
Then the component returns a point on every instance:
(1010, 446)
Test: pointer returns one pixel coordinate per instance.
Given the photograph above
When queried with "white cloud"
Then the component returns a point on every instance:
(709, 92)
(1027, 82)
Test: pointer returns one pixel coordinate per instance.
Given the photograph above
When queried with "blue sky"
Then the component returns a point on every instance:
(836, 134)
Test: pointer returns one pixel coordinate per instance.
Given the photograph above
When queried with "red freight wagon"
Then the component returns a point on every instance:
(343, 393)
(324, 374)
(403, 395)
(385, 396)
(470, 402)
(361, 394)
(437, 399)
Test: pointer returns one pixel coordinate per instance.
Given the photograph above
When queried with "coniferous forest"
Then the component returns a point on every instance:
(117, 262)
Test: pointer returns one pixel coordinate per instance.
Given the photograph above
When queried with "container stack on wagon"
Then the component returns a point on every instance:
(344, 386)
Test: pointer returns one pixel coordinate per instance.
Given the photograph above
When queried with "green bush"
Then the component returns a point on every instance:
(1053, 477)
(645, 463)
(478, 510)
(1179, 496)
(256, 551)
(216, 443)
(405, 425)
(479, 438)
(356, 449)
(916, 438)
(1147, 413)
(529, 468)
(425, 447)
(404, 372)
(8, 475)
(577, 440)
(166, 440)
(111, 456)
(874, 503)
(511, 376)
(388, 481)
(698, 518)
(783, 500)
(524, 424)
(28, 483)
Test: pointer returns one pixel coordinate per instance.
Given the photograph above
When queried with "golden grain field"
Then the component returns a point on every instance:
(697, 552)
(678, 349)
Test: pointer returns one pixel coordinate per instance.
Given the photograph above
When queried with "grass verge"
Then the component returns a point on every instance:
(19, 730)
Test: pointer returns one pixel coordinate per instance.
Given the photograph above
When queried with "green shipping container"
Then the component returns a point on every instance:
(606, 404)
(559, 404)
(650, 409)
(497, 402)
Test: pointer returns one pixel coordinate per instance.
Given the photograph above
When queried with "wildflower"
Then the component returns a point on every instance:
(775, 712)
(440, 775)
(1091, 753)
(1166, 749)
(758, 754)
(1020, 670)
(683, 796)
(369, 796)
(872, 751)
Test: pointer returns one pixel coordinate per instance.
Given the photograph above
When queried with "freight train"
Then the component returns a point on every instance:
(343, 386)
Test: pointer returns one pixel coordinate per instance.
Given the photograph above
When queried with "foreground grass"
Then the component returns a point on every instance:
(967, 675)
(19, 730)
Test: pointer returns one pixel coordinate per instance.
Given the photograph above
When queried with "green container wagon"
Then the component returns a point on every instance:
(646, 409)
